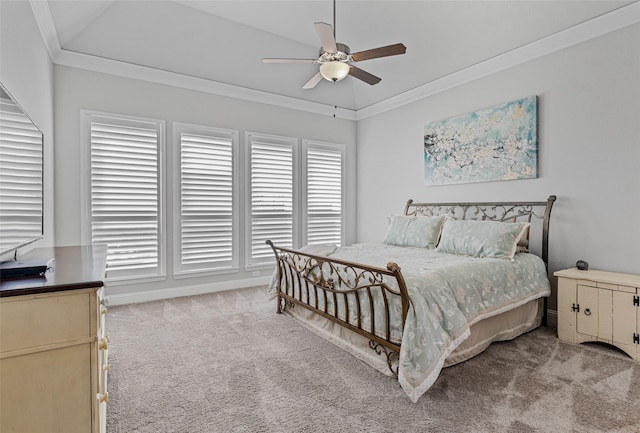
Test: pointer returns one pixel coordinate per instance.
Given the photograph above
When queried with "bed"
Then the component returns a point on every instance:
(449, 279)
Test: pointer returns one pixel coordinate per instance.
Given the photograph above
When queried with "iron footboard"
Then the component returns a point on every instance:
(368, 300)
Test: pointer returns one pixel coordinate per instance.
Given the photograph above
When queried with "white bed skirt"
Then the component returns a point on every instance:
(504, 326)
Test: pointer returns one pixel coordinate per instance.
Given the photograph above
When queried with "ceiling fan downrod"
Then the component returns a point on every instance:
(334, 19)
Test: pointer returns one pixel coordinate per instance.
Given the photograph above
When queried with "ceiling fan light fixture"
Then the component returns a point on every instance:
(334, 70)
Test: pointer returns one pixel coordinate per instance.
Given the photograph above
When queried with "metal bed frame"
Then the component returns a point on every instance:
(320, 284)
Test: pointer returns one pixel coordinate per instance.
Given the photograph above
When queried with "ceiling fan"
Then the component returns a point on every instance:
(335, 58)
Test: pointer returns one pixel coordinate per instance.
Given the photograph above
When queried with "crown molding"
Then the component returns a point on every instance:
(44, 20)
(129, 70)
(64, 57)
(610, 22)
(607, 23)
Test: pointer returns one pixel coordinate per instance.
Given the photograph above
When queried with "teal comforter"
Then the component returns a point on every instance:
(448, 293)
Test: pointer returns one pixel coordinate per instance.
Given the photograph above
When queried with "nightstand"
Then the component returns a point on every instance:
(599, 306)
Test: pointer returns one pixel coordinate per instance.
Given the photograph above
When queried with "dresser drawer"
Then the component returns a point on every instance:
(52, 399)
(52, 320)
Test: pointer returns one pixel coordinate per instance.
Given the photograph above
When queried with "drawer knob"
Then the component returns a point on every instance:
(103, 397)
(587, 312)
(103, 344)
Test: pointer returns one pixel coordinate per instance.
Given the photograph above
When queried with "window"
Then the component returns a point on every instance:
(271, 166)
(124, 192)
(291, 196)
(274, 211)
(324, 175)
(205, 217)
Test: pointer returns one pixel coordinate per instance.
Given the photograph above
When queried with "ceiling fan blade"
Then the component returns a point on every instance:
(327, 39)
(309, 61)
(364, 76)
(313, 81)
(389, 50)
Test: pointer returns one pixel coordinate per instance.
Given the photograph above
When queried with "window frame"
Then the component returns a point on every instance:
(304, 181)
(250, 137)
(180, 271)
(86, 218)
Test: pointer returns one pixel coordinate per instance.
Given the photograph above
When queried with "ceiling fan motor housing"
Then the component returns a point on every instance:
(343, 54)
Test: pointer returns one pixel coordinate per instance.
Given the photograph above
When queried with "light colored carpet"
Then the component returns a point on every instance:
(227, 363)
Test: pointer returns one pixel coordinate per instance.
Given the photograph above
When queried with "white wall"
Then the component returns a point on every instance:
(589, 151)
(78, 89)
(589, 105)
(26, 70)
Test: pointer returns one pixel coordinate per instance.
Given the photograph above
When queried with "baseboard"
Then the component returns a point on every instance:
(175, 292)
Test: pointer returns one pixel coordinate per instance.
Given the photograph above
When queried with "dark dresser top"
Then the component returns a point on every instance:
(76, 267)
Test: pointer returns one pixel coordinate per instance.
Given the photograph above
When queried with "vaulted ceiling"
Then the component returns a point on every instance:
(224, 41)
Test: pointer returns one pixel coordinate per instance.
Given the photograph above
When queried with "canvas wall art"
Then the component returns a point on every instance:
(492, 144)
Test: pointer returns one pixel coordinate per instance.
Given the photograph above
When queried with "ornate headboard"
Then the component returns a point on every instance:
(496, 211)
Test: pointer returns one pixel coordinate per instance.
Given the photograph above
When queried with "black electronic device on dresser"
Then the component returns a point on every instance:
(26, 267)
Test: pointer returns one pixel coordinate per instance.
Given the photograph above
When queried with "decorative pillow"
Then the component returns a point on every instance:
(481, 238)
(414, 231)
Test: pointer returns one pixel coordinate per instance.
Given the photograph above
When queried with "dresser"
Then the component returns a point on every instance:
(53, 345)
(600, 306)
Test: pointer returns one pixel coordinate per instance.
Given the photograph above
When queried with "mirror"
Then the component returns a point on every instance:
(21, 177)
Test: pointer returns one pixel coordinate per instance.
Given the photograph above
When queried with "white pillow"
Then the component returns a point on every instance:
(414, 231)
(481, 238)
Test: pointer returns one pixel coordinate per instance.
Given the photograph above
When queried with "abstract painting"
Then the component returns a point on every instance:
(497, 143)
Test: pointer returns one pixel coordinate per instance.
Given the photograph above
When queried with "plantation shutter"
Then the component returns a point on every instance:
(125, 194)
(324, 182)
(206, 200)
(272, 196)
(20, 177)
